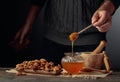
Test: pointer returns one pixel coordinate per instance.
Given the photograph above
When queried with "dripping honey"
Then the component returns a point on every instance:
(73, 67)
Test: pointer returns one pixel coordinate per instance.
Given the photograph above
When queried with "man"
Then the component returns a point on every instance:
(62, 17)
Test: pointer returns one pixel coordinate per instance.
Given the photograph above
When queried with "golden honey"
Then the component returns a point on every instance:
(73, 36)
(72, 67)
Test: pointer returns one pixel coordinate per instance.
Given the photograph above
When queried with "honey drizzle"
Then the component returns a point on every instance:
(72, 48)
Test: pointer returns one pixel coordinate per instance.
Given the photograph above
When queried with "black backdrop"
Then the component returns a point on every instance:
(13, 14)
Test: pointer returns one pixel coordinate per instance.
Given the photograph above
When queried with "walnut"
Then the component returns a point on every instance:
(36, 64)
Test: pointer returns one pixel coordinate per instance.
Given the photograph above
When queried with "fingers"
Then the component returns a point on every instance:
(16, 38)
(102, 20)
(100, 17)
(23, 35)
(17, 46)
(106, 26)
(20, 41)
(95, 17)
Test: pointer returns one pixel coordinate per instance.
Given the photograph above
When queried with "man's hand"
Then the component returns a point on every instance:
(21, 39)
(102, 18)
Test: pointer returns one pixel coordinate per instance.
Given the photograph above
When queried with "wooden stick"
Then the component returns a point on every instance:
(106, 61)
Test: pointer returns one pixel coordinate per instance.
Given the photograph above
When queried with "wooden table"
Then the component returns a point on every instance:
(12, 77)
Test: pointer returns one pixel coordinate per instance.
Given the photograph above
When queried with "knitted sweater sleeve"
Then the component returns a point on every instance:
(116, 3)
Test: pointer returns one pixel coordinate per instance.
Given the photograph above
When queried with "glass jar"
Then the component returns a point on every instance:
(72, 63)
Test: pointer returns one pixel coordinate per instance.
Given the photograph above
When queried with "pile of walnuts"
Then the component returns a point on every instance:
(41, 64)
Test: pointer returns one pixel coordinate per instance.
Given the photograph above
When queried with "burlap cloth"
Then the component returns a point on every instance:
(87, 75)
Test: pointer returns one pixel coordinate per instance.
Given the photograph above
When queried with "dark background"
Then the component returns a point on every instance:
(13, 16)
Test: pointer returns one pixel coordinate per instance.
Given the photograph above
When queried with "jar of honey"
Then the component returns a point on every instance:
(72, 63)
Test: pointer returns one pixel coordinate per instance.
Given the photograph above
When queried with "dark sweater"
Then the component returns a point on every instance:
(62, 17)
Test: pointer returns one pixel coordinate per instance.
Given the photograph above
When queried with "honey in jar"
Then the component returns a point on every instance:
(72, 63)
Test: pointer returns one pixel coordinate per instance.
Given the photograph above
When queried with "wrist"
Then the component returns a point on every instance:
(108, 6)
